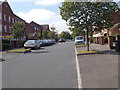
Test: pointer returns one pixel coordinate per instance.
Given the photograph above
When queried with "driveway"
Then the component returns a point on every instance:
(50, 67)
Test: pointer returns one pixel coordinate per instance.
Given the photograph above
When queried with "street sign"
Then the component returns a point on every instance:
(7, 37)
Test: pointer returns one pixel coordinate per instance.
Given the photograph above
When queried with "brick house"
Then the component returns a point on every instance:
(115, 30)
(46, 27)
(8, 18)
(36, 27)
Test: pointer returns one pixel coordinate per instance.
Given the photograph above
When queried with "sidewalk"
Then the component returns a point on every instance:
(99, 70)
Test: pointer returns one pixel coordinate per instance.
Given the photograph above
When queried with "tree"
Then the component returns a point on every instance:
(51, 35)
(65, 35)
(18, 30)
(44, 34)
(39, 36)
(84, 15)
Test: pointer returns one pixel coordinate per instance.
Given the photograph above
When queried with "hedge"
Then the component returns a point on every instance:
(6, 41)
(5, 46)
(106, 39)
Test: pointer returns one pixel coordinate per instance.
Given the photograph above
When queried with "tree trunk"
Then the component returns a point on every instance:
(87, 39)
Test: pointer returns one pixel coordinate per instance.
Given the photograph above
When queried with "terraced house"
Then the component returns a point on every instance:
(8, 18)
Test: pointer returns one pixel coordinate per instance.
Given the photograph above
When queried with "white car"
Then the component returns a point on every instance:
(79, 40)
(32, 44)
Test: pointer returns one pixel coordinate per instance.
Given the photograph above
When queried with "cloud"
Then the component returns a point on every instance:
(43, 16)
(37, 15)
(48, 2)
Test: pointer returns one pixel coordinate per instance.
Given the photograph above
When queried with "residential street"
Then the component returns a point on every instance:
(49, 67)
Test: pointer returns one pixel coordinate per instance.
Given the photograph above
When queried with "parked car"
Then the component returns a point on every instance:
(79, 40)
(61, 40)
(41, 42)
(33, 44)
(47, 42)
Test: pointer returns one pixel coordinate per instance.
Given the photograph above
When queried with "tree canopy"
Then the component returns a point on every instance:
(84, 15)
(18, 30)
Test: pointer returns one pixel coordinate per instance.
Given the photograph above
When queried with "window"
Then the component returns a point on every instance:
(9, 19)
(4, 17)
(5, 28)
(13, 20)
(10, 28)
(35, 28)
(0, 16)
(0, 28)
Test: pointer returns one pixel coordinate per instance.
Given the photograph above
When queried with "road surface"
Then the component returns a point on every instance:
(49, 67)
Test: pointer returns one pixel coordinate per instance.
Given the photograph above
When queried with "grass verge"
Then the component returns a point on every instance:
(87, 52)
(81, 45)
(19, 50)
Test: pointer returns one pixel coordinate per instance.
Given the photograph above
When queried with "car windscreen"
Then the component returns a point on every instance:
(30, 41)
(79, 38)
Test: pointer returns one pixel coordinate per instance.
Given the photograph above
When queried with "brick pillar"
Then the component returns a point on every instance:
(97, 40)
(102, 40)
(110, 41)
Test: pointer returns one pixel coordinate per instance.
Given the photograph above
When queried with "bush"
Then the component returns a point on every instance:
(5, 46)
(6, 41)
(94, 40)
(106, 39)
(22, 42)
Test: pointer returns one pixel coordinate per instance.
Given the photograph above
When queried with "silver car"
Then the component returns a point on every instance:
(33, 44)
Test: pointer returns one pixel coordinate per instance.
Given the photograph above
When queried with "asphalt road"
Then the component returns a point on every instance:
(49, 67)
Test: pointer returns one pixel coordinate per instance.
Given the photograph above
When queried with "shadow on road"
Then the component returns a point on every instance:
(41, 52)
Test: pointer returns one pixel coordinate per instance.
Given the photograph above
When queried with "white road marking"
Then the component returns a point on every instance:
(78, 72)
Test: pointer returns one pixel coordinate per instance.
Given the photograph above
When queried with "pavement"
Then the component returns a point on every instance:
(49, 67)
(99, 70)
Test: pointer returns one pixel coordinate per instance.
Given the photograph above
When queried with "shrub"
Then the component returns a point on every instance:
(5, 46)
(22, 42)
(106, 39)
(94, 40)
(6, 41)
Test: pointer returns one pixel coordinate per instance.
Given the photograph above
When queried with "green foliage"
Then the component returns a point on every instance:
(51, 35)
(106, 39)
(22, 42)
(83, 15)
(65, 35)
(18, 30)
(6, 41)
(44, 34)
(39, 36)
(94, 40)
(5, 46)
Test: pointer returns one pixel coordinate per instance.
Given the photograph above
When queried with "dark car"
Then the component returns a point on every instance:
(61, 40)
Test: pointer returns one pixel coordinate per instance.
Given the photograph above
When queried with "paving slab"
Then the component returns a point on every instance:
(99, 70)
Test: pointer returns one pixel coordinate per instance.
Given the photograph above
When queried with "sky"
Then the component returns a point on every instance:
(40, 11)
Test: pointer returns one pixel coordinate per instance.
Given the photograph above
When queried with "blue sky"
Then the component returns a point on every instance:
(40, 11)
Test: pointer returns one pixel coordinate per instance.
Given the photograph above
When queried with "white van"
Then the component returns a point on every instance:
(79, 40)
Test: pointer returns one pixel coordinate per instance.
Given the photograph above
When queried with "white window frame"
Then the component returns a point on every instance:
(5, 28)
(9, 19)
(4, 16)
(10, 28)
(13, 20)
(0, 27)
(0, 16)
